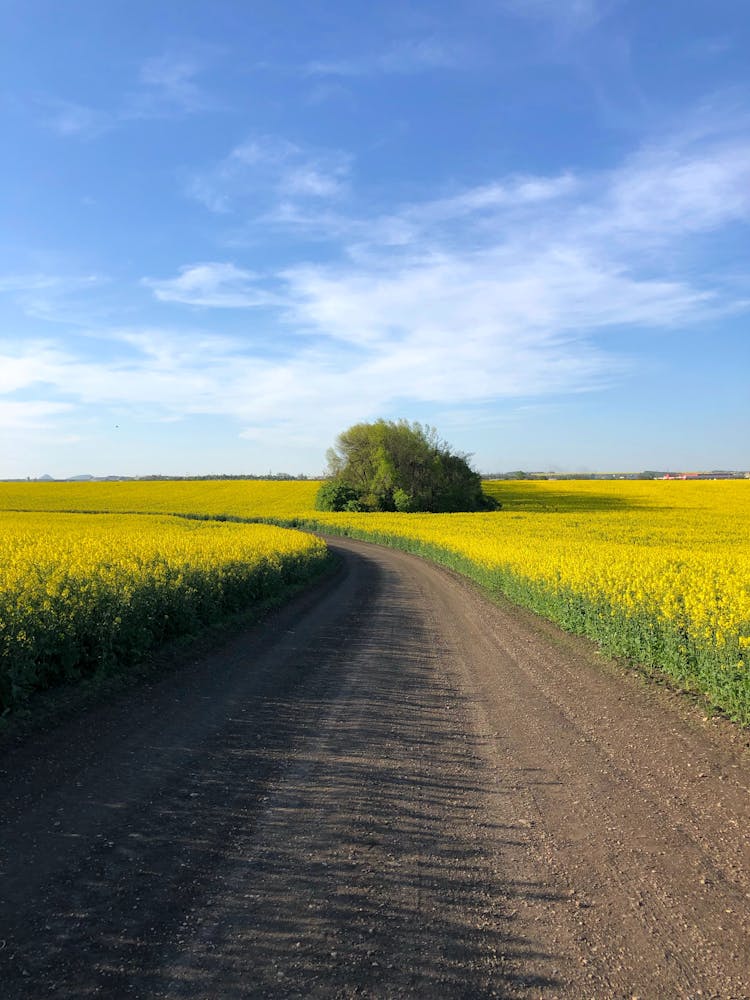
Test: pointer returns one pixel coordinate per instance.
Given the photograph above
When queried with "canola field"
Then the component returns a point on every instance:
(84, 594)
(658, 572)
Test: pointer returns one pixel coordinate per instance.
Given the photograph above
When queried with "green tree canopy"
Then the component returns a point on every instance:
(396, 465)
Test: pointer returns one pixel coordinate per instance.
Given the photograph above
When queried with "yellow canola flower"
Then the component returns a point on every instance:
(81, 591)
(648, 552)
(672, 552)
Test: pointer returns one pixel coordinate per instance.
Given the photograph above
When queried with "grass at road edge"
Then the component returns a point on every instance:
(661, 653)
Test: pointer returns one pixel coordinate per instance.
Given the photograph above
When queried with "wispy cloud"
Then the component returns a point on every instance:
(691, 182)
(477, 208)
(708, 48)
(404, 57)
(24, 367)
(25, 283)
(216, 284)
(305, 396)
(68, 118)
(506, 290)
(578, 14)
(48, 296)
(161, 374)
(271, 166)
(172, 77)
(18, 415)
(311, 181)
(681, 187)
(168, 86)
(488, 299)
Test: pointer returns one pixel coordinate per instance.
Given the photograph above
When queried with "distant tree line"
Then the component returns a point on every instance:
(284, 476)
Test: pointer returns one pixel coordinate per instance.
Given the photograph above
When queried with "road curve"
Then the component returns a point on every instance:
(392, 788)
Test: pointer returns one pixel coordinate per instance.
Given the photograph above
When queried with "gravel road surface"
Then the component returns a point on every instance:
(390, 788)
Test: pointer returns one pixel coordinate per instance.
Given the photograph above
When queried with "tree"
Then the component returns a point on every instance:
(399, 466)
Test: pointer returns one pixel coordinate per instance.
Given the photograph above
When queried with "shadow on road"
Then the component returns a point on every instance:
(338, 833)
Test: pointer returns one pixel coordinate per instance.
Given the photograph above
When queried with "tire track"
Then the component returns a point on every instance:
(393, 788)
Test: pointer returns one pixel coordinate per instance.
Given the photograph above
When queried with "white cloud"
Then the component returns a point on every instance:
(212, 189)
(216, 284)
(28, 282)
(304, 396)
(507, 290)
(485, 301)
(37, 364)
(483, 326)
(667, 190)
(266, 150)
(167, 87)
(475, 206)
(48, 296)
(688, 184)
(270, 168)
(156, 375)
(310, 181)
(173, 76)
(17, 415)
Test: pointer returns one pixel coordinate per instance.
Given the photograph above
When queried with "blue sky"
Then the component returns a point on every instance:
(232, 229)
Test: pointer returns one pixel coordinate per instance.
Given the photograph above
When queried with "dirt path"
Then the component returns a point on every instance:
(391, 789)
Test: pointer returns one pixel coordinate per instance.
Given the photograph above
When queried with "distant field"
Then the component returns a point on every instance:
(656, 571)
(243, 498)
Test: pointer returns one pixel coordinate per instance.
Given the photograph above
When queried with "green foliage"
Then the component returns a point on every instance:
(335, 495)
(399, 466)
(403, 501)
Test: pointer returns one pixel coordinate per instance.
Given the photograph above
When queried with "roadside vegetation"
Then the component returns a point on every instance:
(658, 572)
(89, 594)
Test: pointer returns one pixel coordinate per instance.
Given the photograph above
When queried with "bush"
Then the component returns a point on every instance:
(397, 466)
(334, 495)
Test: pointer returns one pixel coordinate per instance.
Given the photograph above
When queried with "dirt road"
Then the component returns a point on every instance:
(392, 788)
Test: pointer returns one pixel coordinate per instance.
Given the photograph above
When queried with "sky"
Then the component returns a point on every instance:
(230, 230)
